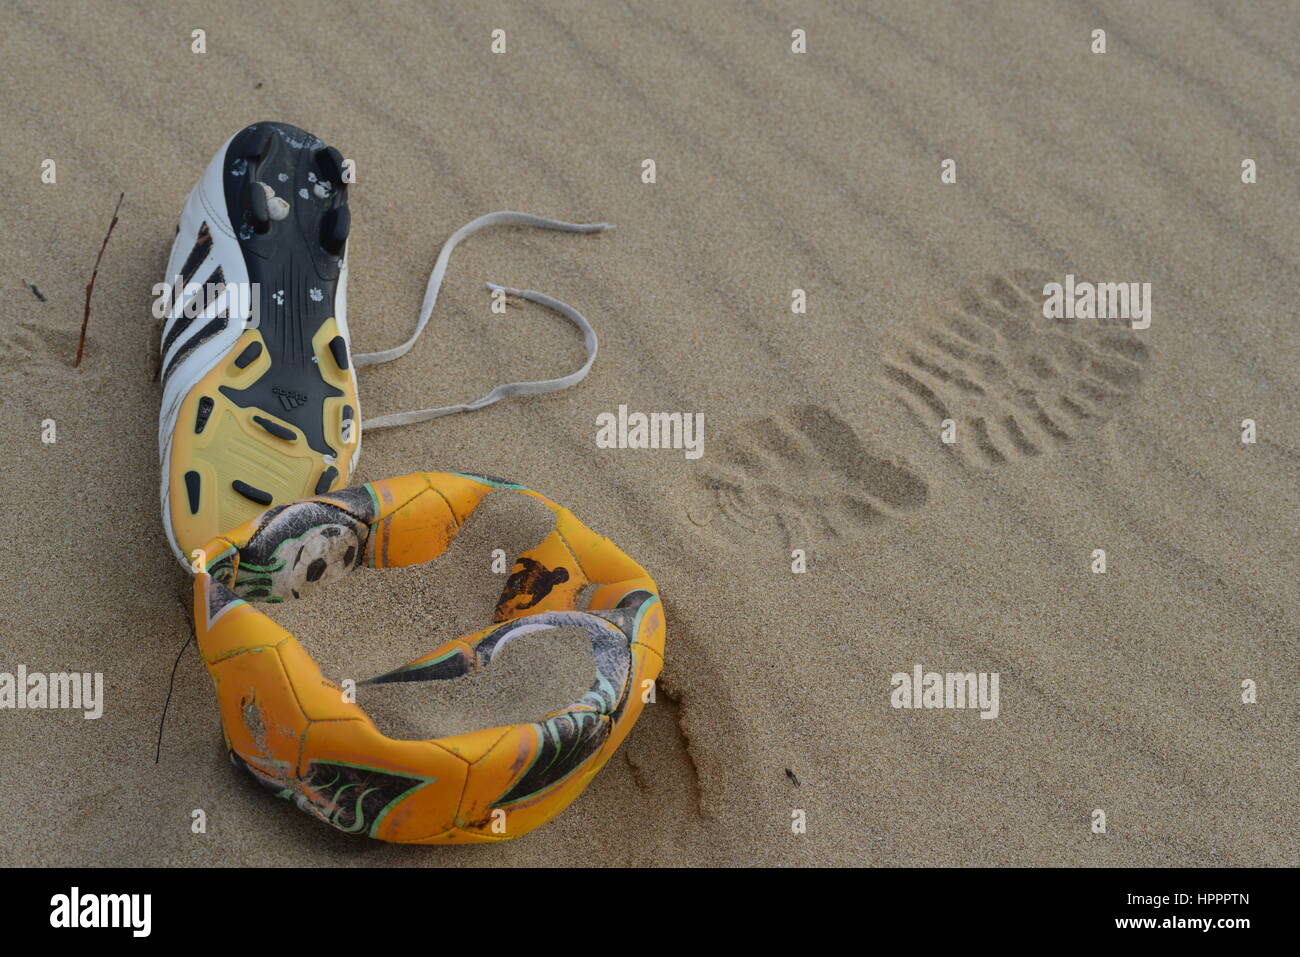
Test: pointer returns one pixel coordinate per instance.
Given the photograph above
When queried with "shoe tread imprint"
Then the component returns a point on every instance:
(275, 418)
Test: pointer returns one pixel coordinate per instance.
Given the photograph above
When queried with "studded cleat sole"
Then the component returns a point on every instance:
(259, 394)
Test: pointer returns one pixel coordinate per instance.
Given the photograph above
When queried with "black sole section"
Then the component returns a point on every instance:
(339, 350)
(295, 261)
(201, 417)
(279, 431)
(249, 355)
(326, 480)
(334, 229)
(258, 210)
(192, 488)
(250, 493)
(330, 163)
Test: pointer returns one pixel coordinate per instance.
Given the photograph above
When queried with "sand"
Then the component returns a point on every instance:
(1119, 692)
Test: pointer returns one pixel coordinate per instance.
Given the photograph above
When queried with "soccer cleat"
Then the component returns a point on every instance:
(259, 400)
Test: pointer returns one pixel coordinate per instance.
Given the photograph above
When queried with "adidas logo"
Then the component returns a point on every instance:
(289, 398)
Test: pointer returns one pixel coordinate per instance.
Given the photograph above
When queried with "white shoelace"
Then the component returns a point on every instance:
(431, 298)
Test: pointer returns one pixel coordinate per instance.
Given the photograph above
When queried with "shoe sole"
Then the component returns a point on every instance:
(276, 418)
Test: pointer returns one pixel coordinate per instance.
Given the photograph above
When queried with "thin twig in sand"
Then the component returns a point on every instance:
(90, 286)
(162, 720)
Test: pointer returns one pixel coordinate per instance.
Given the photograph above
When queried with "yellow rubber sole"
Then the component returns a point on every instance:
(230, 462)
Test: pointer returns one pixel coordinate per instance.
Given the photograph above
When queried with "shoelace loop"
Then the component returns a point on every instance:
(590, 342)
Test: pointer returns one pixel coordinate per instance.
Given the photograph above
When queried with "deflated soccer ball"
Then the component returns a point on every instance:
(296, 733)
